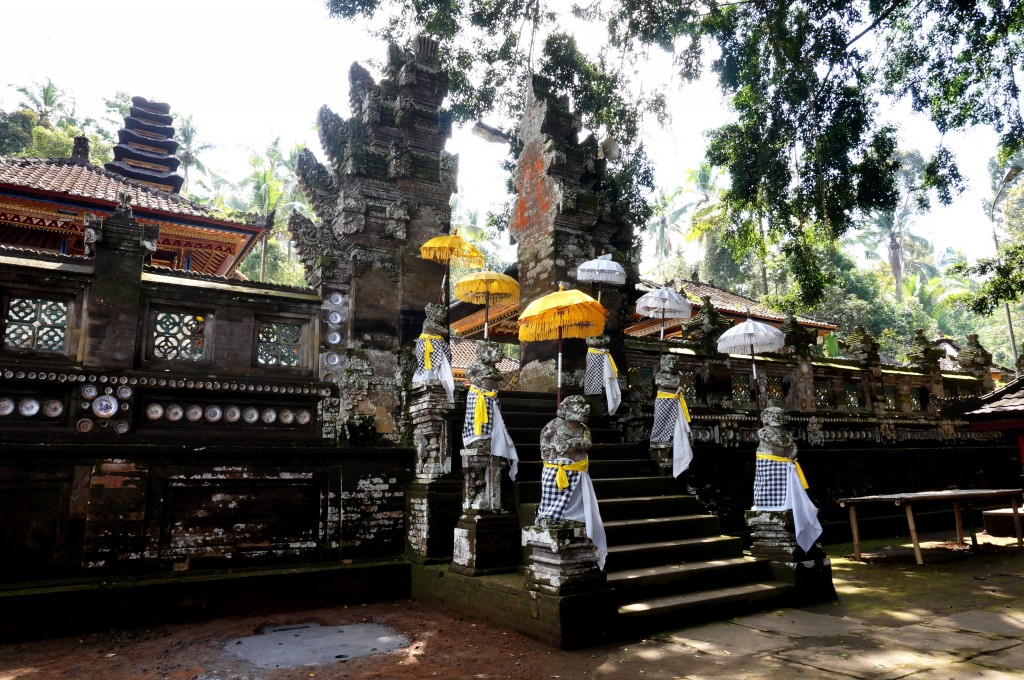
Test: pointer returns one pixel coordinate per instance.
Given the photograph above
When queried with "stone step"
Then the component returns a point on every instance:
(634, 585)
(716, 603)
(613, 487)
(530, 435)
(530, 470)
(640, 555)
(646, 529)
(640, 507)
(638, 452)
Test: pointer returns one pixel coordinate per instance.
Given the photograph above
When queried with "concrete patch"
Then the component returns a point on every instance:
(800, 623)
(881, 663)
(728, 639)
(931, 639)
(310, 644)
(983, 622)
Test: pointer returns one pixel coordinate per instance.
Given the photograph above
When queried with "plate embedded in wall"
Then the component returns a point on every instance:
(28, 407)
(213, 413)
(104, 406)
(232, 413)
(6, 406)
(174, 412)
(154, 411)
(88, 391)
(287, 416)
(194, 412)
(302, 417)
(250, 415)
(124, 392)
(52, 408)
(268, 416)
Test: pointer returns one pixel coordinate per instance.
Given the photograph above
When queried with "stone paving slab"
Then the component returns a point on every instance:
(729, 639)
(877, 663)
(800, 623)
(1007, 659)
(938, 639)
(983, 621)
(966, 670)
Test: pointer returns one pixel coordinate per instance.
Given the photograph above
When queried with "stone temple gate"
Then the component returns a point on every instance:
(178, 441)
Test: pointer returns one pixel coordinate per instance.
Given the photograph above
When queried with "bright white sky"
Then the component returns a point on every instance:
(254, 70)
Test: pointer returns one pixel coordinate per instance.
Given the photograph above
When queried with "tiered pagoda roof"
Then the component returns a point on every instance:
(146, 147)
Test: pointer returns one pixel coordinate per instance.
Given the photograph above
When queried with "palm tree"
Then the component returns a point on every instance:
(906, 252)
(46, 99)
(666, 220)
(189, 147)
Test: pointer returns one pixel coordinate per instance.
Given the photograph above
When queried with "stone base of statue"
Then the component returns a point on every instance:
(562, 560)
(487, 532)
(774, 538)
(662, 453)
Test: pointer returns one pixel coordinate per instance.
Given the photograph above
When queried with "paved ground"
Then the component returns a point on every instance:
(960, 615)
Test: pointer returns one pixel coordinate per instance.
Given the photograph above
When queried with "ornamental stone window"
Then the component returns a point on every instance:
(33, 323)
(179, 336)
(278, 343)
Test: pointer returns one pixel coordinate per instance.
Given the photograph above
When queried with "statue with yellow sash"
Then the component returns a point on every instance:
(483, 425)
(671, 417)
(431, 351)
(779, 483)
(602, 375)
(567, 494)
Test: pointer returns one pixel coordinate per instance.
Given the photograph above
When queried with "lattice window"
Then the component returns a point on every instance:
(278, 344)
(916, 403)
(773, 388)
(852, 394)
(688, 381)
(741, 388)
(36, 323)
(890, 397)
(823, 397)
(179, 336)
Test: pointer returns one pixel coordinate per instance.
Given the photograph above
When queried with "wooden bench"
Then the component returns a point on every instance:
(957, 496)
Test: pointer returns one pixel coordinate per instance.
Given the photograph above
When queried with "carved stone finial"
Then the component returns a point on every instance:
(921, 351)
(704, 328)
(798, 338)
(973, 357)
(436, 322)
(483, 372)
(124, 203)
(80, 152)
(860, 345)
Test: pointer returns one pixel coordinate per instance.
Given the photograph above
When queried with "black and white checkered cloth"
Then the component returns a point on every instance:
(439, 346)
(770, 484)
(468, 433)
(593, 379)
(665, 413)
(553, 501)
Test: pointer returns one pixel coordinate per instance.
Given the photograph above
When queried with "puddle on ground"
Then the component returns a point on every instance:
(310, 644)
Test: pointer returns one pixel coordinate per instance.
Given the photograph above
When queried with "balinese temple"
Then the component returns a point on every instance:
(44, 202)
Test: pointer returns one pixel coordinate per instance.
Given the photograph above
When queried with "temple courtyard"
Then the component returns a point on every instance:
(960, 615)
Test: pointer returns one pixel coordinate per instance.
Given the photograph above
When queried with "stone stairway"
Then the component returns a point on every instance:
(667, 560)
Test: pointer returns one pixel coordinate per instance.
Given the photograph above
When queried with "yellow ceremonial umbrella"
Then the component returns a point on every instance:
(449, 249)
(479, 288)
(564, 314)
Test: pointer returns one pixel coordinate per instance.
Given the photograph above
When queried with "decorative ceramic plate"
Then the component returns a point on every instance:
(333, 358)
(250, 415)
(121, 427)
(52, 408)
(84, 425)
(232, 413)
(174, 412)
(302, 417)
(6, 406)
(89, 392)
(334, 337)
(334, 318)
(104, 406)
(154, 411)
(213, 413)
(28, 407)
(268, 416)
(287, 416)
(124, 392)
(194, 412)
(336, 299)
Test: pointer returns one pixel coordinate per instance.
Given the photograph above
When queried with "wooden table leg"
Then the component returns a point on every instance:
(970, 523)
(1016, 521)
(913, 534)
(959, 522)
(856, 533)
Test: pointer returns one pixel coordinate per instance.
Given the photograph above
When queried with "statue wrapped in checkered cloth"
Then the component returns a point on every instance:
(431, 351)
(566, 492)
(602, 374)
(483, 424)
(779, 483)
(672, 416)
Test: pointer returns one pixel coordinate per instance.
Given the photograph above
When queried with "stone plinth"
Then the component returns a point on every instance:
(562, 560)
(429, 412)
(486, 535)
(662, 453)
(774, 538)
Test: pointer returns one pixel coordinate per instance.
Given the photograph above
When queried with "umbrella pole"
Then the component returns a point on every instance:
(661, 339)
(558, 384)
(487, 308)
(757, 384)
(446, 297)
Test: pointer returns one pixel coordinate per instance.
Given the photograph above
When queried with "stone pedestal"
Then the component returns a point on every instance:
(433, 501)
(774, 538)
(487, 533)
(562, 560)
(662, 453)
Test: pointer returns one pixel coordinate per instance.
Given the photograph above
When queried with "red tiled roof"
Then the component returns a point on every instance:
(726, 301)
(70, 178)
(464, 352)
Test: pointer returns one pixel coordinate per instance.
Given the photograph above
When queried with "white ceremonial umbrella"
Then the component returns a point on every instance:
(601, 270)
(663, 303)
(750, 337)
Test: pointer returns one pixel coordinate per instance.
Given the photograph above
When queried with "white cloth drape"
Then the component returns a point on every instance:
(805, 513)
(441, 370)
(502, 446)
(612, 391)
(583, 507)
(682, 451)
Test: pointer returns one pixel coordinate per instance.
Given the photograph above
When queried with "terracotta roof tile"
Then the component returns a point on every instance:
(464, 352)
(726, 301)
(67, 177)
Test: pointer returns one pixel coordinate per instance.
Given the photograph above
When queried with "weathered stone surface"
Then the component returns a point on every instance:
(562, 559)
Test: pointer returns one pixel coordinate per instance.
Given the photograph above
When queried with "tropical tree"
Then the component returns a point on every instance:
(189, 148)
(16, 130)
(48, 101)
(666, 221)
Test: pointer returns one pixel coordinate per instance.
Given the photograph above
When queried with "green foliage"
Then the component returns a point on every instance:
(16, 130)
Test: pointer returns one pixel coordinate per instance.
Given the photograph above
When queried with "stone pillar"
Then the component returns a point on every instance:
(486, 535)
(562, 560)
(433, 498)
(774, 538)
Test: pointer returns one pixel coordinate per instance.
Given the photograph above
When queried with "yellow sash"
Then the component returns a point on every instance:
(780, 459)
(561, 478)
(480, 409)
(676, 395)
(594, 350)
(428, 348)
